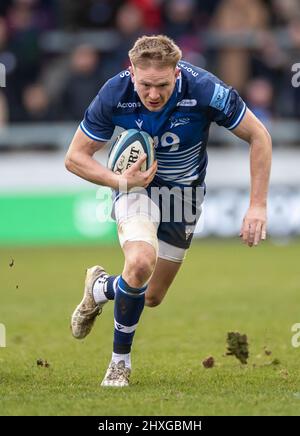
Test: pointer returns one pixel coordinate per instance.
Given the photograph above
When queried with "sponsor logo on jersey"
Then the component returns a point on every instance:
(139, 123)
(189, 69)
(125, 74)
(187, 102)
(179, 122)
(129, 104)
(219, 97)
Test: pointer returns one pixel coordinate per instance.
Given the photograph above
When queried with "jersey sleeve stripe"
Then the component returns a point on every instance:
(239, 118)
(97, 138)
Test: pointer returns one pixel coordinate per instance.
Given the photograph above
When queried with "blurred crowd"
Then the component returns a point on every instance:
(251, 45)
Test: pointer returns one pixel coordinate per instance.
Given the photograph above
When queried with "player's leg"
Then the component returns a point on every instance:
(140, 266)
(170, 259)
(101, 287)
(175, 236)
(84, 315)
(138, 238)
(140, 260)
(162, 278)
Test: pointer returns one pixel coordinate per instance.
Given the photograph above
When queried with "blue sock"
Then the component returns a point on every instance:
(111, 286)
(129, 305)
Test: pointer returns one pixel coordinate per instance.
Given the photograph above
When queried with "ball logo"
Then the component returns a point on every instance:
(133, 157)
(120, 165)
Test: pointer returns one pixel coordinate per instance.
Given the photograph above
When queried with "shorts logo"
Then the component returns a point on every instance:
(129, 104)
(187, 102)
(219, 98)
(188, 233)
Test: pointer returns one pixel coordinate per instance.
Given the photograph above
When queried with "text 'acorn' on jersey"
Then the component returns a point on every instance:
(128, 147)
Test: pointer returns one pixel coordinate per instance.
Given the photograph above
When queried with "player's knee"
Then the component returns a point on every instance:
(155, 294)
(139, 269)
(153, 300)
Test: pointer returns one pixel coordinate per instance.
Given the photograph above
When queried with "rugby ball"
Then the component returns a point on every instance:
(128, 147)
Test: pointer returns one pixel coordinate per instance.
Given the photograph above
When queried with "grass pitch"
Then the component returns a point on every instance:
(222, 287)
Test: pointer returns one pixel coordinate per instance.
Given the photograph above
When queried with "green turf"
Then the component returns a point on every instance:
(222, 287)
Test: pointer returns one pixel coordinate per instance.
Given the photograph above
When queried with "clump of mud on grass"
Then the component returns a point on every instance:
(209, 362)
(237, 345)
(43, 363)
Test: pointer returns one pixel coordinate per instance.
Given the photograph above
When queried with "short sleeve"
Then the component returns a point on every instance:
(226, 107)
(97, 122)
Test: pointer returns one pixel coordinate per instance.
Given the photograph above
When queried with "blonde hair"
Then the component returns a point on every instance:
(157, 49)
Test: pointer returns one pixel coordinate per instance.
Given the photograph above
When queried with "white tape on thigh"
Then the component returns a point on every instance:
(136, 204)
(170, 252)
(138, 228)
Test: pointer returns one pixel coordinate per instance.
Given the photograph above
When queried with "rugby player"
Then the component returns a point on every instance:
(175, 102)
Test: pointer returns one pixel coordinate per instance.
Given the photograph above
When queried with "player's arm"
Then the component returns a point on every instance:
(254, 132)
(80, 161)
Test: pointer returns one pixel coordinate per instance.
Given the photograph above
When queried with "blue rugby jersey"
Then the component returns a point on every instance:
(180, 129)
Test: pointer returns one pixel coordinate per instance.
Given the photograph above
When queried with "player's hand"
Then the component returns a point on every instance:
(254, 225)
(134, 177)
